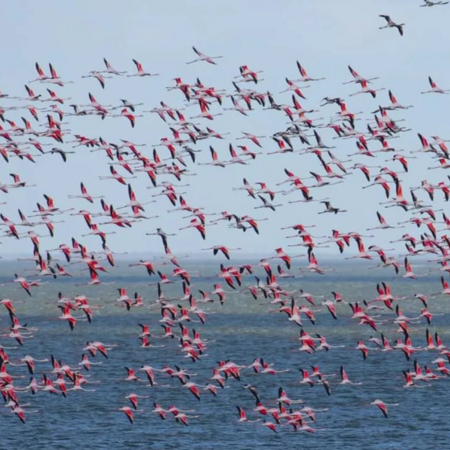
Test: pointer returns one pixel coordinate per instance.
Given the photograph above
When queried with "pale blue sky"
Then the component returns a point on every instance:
(325, 36)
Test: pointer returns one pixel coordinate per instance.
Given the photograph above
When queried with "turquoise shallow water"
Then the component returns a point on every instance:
(239, 330)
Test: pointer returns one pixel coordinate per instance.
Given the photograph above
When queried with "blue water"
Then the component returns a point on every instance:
(240, 330)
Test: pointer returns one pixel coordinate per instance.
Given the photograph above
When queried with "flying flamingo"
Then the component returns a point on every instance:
(429, 3)
(98, 76)
(203, 57)
(383, 406)
(141, 72)
(391, 24)
(435, 89)
(331, 209)
(221, 248)
(110, 69)
(85, 195)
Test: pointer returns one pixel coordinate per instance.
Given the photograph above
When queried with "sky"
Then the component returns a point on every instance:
(325, 36)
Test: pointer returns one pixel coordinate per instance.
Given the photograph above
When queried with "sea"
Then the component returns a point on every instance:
(239, 330)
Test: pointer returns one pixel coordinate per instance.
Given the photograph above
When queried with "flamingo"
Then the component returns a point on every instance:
(221, 248)
(215, 160)
(252, 137)
(140, 71)
(383, 406)
(345, 379)
(429, 3)
(203, 57)
(85, 195)
(395, 104)
(331, 209)
(391, 24)
(305, 77)
(110, 69)
(366, 90)
(98, 76)
(129, 413)
(435, 89)
(356, 79)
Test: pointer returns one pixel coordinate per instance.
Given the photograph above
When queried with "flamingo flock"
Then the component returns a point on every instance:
(39, 123)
